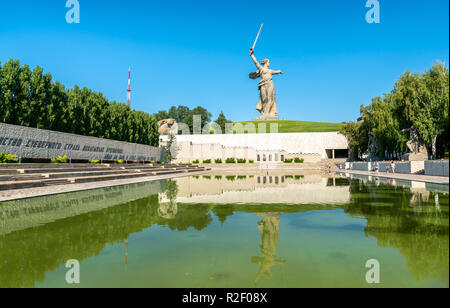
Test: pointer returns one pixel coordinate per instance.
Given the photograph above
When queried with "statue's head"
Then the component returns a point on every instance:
(265, 62)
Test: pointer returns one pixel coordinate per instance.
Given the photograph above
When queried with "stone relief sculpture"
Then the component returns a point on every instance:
(415, 145)
(372, 149)
(167, 127)
(416, 148)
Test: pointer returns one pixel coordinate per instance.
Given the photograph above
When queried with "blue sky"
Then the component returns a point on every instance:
(196, 52)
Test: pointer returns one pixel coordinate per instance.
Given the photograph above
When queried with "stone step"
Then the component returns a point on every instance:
(65, 166)
(89, 179)
(30, 184)
(20, 177)
(37, 166)
(167, 172)
(64, 178)
(82, 174)
(98, 173)
(144, 168)
(60, 170)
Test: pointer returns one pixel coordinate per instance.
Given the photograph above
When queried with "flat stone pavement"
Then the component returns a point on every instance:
(25, 193)
(400, 176)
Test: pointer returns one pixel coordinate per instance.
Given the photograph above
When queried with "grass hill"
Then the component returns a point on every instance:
(299, 126)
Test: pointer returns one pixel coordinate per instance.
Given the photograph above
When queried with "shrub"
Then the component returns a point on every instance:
(196, 161)
(241, 161)
(59, 160)
(288, 161)
(208, 161)
(230, 161)
(118, 161)
(8, 158)
(231, 178)
(242, 177)
(218, 177)
(94, 162)
(218, 161)
(299, 161)
(207, 177)
(251, 161)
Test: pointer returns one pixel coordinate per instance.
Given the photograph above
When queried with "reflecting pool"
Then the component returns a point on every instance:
(228, 230)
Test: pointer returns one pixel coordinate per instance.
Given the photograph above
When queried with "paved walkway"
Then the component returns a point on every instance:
(399, 176)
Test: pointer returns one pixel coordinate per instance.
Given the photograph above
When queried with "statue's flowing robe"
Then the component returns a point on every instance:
(267, 104)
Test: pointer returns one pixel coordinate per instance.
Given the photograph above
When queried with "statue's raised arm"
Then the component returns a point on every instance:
(255, 60)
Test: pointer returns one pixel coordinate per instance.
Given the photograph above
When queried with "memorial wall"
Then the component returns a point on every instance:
(26, 142)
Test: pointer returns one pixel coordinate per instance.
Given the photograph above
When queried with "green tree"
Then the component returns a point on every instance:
(222, 121)
(15, 80)
(179, 113)
(34, 114)
(358, 138)
(161, 115)
(56, 107)
(198, 111)
(168, 155)
(424, 100)
(2, 102)
(418, 101)
(384, 126)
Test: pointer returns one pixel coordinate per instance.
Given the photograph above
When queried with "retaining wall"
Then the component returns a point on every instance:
(437, 168)
(38, 143)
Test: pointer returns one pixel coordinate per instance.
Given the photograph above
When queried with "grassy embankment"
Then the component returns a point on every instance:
(299, 126)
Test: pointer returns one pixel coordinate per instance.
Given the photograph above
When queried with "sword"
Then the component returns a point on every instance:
(257, 37)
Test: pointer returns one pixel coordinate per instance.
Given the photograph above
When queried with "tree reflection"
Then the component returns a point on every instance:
(27, 255)
(409, 221)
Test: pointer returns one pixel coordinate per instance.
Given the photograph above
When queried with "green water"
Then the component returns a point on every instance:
(301, 231)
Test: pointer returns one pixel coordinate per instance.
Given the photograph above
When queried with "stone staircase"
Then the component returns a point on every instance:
(20, 176)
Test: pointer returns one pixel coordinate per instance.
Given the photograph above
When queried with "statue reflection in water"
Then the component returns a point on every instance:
(269, 227)
(169, 210)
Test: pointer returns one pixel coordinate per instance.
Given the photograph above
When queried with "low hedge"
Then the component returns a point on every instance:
(59, 160)
(8, 158)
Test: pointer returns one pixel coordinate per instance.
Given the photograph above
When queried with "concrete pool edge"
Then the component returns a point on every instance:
(398, 176)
